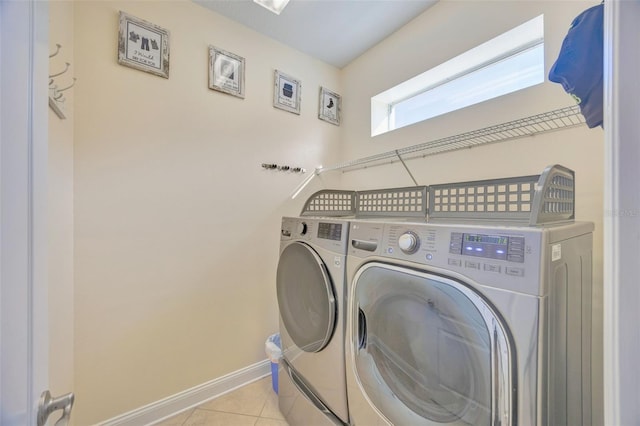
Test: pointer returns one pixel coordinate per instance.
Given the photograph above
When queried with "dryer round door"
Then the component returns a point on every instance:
(428, 349)
(306, 297)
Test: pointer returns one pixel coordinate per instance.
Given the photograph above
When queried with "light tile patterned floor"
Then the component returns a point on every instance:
(255, 404)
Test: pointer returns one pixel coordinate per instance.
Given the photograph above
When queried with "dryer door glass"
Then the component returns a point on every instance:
(305, 297)
(426, 348)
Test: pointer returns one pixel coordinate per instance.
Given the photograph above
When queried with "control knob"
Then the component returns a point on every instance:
(409, 242)
(302, 228)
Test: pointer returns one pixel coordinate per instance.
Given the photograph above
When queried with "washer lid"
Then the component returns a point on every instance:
(305, 297)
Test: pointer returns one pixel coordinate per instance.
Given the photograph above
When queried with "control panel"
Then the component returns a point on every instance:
(494, 256)
(328, 234)
(330, 231)
(499, 247)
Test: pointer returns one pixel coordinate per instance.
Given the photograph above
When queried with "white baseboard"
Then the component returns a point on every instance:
(172, 405)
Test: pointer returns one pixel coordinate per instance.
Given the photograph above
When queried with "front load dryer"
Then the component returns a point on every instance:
(454, 324)
(310, 288)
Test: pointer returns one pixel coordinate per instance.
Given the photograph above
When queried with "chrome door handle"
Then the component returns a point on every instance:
(48, 405)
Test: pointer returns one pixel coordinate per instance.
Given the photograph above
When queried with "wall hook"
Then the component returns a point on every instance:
(56, 97)
(58, 46)
(66, 68)
(283, 168)
(68, 87)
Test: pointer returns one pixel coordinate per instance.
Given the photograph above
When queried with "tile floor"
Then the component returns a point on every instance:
(255, 404)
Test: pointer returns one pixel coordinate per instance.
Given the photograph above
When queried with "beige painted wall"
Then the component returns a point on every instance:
(444, 31)
(60, 207)
(176, 223)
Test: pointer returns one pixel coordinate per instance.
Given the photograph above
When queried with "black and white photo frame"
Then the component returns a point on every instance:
(226, 72)
(143, 45)
(329, 106)
(287, 92)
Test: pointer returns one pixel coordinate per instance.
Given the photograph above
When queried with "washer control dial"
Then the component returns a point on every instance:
(302, 228)
(409, 242)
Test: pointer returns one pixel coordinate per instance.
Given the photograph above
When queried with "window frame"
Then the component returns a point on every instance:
(510, 44)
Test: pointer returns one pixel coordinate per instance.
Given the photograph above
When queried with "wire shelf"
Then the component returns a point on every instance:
(541, 123)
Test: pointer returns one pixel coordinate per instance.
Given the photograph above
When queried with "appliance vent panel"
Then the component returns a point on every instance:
(393, 202)
(499, 198)
(330, 203)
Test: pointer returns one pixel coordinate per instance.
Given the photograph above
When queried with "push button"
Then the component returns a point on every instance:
(455, 244)
(515, 258)
(492, 268)
(515, 250)
(513, 271)
(472, 265)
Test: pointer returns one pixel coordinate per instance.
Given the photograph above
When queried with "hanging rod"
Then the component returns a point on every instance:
(562, 118)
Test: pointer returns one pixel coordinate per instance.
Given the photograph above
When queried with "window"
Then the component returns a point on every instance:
(508, 63)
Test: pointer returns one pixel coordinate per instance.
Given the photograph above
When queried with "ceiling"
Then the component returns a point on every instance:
(333, 31)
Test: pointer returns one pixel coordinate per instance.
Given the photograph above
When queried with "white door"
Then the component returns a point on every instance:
(23, 158)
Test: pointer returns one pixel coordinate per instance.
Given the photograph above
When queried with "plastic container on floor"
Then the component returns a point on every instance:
(274, 353)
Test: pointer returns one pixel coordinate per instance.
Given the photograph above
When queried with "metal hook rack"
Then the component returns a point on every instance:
(56, 97)
(272, 166)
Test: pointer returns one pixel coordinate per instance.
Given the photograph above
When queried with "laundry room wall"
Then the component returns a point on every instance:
(446, 30)
(176, 222)
(60, 206)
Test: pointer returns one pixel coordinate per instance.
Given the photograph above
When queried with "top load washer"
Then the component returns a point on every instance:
(310, 288)
(476, 324)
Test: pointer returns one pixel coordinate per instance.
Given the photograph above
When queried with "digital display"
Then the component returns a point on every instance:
(330, 231)
(488, 239)
(499, 247)
(483, 245)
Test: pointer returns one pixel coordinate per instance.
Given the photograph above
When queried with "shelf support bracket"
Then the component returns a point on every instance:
(305, 182)
(406, 168)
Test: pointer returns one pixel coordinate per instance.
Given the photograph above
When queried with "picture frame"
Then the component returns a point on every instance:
(143, 45)
(329, 106)
(226, 72)
(287, 92)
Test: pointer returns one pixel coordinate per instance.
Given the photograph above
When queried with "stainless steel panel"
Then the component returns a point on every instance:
(297, 402)
(323, 371)
(545, 305)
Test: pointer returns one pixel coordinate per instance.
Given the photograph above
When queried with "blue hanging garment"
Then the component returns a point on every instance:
(579, 66)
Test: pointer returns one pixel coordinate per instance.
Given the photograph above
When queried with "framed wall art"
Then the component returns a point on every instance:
(226, 72)
(286, 94)
(329, 106)
(143, 45)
